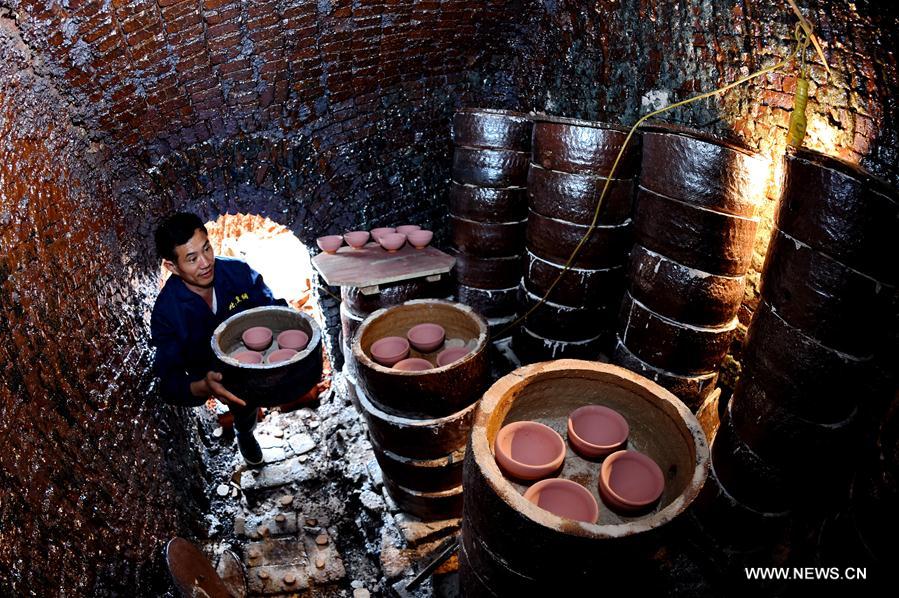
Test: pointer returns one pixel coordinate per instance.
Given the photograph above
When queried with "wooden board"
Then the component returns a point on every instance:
(371, 265)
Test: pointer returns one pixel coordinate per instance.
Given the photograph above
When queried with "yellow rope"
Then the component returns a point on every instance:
(802, 40)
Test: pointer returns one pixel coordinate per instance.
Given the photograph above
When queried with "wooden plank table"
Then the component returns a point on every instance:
(371, 266)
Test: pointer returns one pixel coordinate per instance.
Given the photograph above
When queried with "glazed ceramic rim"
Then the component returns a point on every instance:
(564, 483)
(596, 450)
(264, 346)
(425, 325)
(645, 460)
(524, 116)
(534, 471)
(494, 402)
(413, 359)
(392, 355)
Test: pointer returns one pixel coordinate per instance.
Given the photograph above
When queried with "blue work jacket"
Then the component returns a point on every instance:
(182, 325)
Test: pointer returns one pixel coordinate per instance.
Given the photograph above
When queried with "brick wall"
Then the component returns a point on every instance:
(321, 115)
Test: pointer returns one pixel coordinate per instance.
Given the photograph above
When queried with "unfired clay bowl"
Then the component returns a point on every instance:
(594, 431)
(330, 244)
(528, 450)
(356, 239)
(630, 481)
(413, 364)
(281, 355)
(384, 230)
(450, 355)
(392, 241)
(257, 338)
(293, 339)
(407, 228)
(249, 357)
(419, 239)
(564, 498)
(389, 350)
(426, 337)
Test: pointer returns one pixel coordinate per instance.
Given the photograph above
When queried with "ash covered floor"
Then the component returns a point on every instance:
(316, 521)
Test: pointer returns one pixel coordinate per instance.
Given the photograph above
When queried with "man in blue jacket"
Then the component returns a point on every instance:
(202, 292)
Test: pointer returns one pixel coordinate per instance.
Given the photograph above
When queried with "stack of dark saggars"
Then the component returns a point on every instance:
(695, 228)
(812, 389)
(571, 162)
(419, 421)
(488, 209)
(357, 303)
(518, 540)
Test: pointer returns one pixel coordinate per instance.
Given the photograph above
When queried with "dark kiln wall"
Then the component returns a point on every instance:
(321, 115)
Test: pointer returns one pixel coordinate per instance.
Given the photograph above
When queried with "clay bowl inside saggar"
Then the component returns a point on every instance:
(437, 392)
(270, 384)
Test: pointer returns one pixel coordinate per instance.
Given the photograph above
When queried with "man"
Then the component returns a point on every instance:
(202, 292)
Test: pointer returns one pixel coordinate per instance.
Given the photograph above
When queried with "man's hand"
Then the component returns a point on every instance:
(212, 385)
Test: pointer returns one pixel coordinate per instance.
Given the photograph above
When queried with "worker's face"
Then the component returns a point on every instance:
(196, 261)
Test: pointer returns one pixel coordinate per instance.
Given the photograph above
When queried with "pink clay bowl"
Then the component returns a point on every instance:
(390, 350)
(595, 431)
(392, 241)
(564, 498)
(257, 338)
(281, 355)
(248, 357)
(528, 450)
(330, 244)
(419, 239)
(630, 481)
(384, 230)
(413, 364)
(451, 355)
(407, 228)
(293, 339)
(426, 337)
(356, 239)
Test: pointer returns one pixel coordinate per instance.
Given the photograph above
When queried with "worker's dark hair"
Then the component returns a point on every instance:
(176, 230)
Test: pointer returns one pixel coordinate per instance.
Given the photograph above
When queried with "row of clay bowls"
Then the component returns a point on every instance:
(258, 338)
(393, 351)
(629, 481)
(391, 239)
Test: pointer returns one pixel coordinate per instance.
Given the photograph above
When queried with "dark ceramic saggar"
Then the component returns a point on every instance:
(578, 287)
(498, 129)
(692, 390)
(490, 167)
(806, 377)
(391, 294)
(563, 323)
(555, 240)
(669, 345)
(573, 197)
(707, 171)
(682, 293)
(531, 347)
(488, 204)
(490, 303)
(571, 145)
(828, 301)
(487, 239)
(486, 272)
(700, 238)
(840, 210)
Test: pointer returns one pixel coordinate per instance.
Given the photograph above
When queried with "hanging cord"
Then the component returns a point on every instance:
(802, 35)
